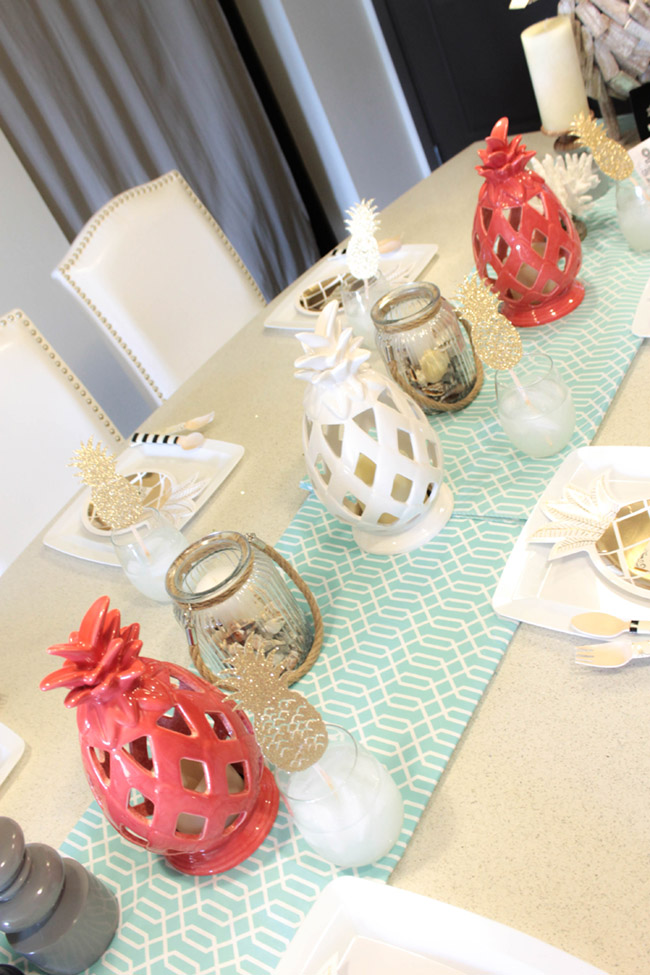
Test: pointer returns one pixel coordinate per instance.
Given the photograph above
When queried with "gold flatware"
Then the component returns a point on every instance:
(606, 626)
(611, 654)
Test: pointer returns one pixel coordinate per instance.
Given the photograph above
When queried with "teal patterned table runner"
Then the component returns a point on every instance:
(410, 645)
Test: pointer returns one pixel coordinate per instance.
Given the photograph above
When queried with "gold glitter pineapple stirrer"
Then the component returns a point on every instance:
(497, 342)
(610, 156)
(362, 224)
(117, 502)
(289, 730)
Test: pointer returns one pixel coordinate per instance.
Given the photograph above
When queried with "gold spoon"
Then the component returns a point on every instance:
(604, 625)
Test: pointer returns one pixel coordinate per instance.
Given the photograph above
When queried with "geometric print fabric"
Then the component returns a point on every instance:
(410, 644)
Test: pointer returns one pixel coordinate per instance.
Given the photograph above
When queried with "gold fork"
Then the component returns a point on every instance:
(611, 654)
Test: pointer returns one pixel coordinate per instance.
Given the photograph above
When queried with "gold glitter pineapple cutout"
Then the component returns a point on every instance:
(289, 730)
(610, 156)
(115, 499)
(616, 537)
(496, 341)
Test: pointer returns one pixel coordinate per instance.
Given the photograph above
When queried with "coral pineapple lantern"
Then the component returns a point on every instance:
(174, 766)
(525, 244)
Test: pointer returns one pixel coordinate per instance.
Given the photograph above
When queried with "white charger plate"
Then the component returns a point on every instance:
(215, 459)
(11, 748)
(549, 594)
(399, 266)
(350, 907)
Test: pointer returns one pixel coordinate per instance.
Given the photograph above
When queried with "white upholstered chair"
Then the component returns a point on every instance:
(157, 270)
(46, 414)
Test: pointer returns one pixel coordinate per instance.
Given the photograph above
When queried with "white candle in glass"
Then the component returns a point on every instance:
(554, 69)
(346, 806)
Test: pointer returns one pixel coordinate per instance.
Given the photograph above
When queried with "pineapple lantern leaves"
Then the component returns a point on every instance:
(289, 730)
(332, 362)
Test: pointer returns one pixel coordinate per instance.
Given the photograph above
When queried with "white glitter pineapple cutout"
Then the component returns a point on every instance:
(372, 456)
(362, 253)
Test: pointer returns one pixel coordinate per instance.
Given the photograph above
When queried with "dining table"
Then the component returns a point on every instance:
(540, 814)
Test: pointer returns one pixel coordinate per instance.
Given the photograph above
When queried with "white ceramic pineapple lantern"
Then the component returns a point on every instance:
(371, 454)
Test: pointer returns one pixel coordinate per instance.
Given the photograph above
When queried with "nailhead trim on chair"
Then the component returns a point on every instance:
(22, 319)
(170, 177)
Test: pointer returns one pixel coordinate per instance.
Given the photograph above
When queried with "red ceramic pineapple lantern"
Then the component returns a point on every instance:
(174, 766)
(525, 244)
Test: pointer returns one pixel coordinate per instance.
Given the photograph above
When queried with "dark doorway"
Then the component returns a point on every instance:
(462, 67)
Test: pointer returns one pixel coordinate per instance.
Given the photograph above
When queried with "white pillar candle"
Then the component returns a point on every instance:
(554, 69)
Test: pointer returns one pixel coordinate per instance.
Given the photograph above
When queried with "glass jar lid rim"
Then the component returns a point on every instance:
(199, 551)
(405, 292)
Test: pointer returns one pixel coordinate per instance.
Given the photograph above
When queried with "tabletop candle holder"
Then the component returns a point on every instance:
(175, 768)
(228, 593)
(427, 351)
(525, 244)
(372, 456)
(345, 805)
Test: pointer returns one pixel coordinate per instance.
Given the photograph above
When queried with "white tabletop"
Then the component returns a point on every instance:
(540, 820)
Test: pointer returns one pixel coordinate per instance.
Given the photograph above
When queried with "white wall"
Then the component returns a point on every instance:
(31, 245)
(335, 81)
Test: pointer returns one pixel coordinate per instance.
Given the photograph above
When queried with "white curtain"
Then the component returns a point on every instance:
(97, 96)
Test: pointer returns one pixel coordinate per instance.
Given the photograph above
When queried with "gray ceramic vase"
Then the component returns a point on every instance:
(52, 910)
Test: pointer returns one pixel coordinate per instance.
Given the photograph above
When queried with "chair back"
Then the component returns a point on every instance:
(46, 414)
(162, 277)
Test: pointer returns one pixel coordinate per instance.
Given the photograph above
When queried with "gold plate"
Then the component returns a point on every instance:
(155, 488)
(314, 298)
(625, 541)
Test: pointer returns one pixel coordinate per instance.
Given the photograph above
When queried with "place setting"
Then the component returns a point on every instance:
(175, 472)
(341, 277)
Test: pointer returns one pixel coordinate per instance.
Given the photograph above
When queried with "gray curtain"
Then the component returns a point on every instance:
(97, 96)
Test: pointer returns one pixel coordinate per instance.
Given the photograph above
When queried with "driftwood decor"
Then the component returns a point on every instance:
(613, 41)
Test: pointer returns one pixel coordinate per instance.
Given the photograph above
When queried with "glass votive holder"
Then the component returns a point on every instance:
(633, 211)
(534, 405)
(357, 299)
(346, 806)
(425, 348)
(228, 593)
(146, 550)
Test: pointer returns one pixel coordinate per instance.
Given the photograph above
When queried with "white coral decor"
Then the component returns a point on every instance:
(372, 456)
(570, 176)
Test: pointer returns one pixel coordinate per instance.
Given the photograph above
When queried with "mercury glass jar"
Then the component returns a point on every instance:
(228, 593)
(425, 348)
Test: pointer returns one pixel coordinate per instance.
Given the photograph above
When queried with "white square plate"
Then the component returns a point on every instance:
(466, 943)
(11, 748)
(532, 589)
(399, 266)
(214, 460)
